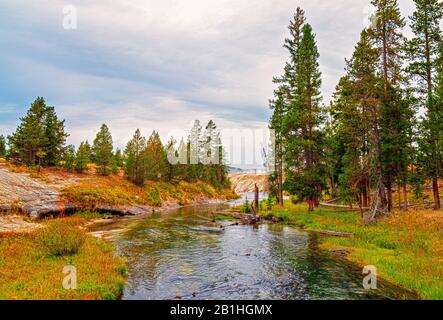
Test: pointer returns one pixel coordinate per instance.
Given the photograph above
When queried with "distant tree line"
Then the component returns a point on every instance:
(382, 132)
(40, 140)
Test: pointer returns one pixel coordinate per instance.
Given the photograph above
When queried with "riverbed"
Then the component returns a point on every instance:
(186, 255)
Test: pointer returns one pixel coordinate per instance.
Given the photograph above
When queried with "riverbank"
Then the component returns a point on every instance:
(31, 198)
(30, 271)
(52, 192)
(406, 248)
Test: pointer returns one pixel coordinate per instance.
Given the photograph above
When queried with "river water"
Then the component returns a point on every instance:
(185, 255)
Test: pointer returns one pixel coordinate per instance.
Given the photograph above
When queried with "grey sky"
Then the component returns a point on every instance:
(161, 64)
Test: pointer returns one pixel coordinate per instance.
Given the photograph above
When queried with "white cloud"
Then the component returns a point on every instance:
(161, 64)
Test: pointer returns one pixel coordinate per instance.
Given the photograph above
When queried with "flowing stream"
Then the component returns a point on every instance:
(185, 255)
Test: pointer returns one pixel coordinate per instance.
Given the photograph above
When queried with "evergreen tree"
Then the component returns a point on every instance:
(423, 53)
(82, 157)
(288, 82)
(134, 159)
(118, 158)
(69, 158)
(276, 124)
(2, 146)
(212, 157)
(195, 145)
(155, 158)
(305, 176)
(102, 150)
(387, 37)
(356, 112)
(285, 98)
(29, 138)
(55, 137)
(171, 153)
(40, 137)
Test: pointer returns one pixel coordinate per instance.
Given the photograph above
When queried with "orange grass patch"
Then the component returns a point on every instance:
(28, 272)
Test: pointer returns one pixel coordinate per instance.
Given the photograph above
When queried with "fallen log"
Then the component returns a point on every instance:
(348, 209)
(250, 219)
(229, 214)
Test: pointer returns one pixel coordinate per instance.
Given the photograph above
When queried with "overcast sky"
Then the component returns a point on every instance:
(161, 64)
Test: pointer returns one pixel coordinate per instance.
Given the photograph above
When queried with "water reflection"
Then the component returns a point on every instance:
(185, 255)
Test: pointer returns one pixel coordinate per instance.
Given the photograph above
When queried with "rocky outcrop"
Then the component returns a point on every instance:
(40, 198)
(20, 193)
(245, 182)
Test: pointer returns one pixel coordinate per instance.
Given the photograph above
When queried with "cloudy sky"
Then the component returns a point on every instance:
(161, 64)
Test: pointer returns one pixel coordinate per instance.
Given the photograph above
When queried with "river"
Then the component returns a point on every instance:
(185, 255)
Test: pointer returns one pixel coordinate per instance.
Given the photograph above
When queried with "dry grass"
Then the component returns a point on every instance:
(61, 237)
(115, 190)
(28, 272)
(406, 248)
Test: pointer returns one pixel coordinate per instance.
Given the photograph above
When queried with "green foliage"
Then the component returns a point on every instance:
(424, 52)
(40, 131)
(270, 203)
(55, 137)
(135, 165)
(2, 146)
(155, 158)
(117, 161)
(82, 157)
(298, 116)
(154, 197)
(61, 237)
(69, 159)
(200, 159)
(102, 150)
(246, 208)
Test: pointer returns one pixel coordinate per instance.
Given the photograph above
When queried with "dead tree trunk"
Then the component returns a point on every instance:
(256, 200)
(437, 204)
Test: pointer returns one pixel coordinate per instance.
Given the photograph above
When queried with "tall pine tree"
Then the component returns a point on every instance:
(386, 34)
(55, 137)
(82, 157)
(357, 112)
(2, 146)
(423, 53)
(305, 176)
(102, 150)
(155, 158)
(134, 159)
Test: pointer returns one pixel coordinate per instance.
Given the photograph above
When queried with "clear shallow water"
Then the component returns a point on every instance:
(184, 254)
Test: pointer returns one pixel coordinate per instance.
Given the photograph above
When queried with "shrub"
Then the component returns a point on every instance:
(154, 197)
(61, 237)
(247, 208)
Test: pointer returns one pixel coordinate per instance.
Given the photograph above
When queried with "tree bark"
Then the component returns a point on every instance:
(389, 193)
(399, 194)
(256, 200)
(280, 181)
(437, 204)
(405, 196)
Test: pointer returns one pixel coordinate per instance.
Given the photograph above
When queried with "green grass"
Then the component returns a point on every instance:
(406, 248)
(61, 237)
(224, 218)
